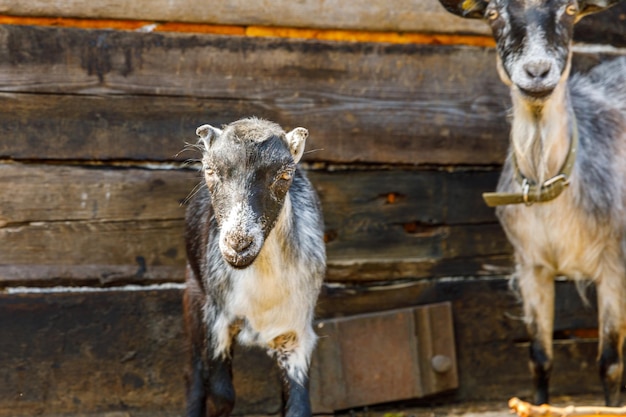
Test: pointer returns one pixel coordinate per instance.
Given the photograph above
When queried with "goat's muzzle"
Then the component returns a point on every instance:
(239, 249)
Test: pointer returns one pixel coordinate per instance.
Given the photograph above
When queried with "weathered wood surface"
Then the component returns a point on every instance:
(403, 15)
(134, 96)
(490, 332)
(122, 350)
(381, 357)
(426, 104)
(372, 15)
(57, 193)
(85, 352)
(105, 226)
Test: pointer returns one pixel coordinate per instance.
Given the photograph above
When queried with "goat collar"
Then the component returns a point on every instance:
(538, 193)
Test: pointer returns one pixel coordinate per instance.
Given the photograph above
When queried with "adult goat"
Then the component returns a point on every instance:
(561, 197)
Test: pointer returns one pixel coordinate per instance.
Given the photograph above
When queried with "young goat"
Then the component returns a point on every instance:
(256, 261)
(567, 155)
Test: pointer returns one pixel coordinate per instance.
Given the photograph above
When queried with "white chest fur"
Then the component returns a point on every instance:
(558, 237)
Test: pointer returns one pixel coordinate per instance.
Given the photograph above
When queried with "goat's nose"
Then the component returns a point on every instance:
(537, 69)
(238, 242)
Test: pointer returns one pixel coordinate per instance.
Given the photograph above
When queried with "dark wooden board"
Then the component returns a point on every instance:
(51, 193)
(92, 252)
(123, 349)
(103, 225)
(119, 350)
(426, 104)
(492, 349)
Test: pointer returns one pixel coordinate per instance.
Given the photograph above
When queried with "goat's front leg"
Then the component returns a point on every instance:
(537, 286)
(611, 298)
(293, 356)
(210, 391)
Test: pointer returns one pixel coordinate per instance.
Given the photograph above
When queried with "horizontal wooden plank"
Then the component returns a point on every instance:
(84, 352)
(414, 199)
(405, 15)
(430, 105)
(49, 193)
(119, 350)
(157, 128)
(92, 252)
(64, 60)
(371, 15)
(109, 225)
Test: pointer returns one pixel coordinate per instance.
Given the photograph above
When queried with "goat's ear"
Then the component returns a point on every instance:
(474, 9)
(586, 7)
(296, 140)
(207, 133)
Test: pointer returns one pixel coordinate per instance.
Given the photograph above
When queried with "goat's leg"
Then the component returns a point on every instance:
(611, 298)
(537, 287)
(193, 299)
(221, 393)
(296, 391)
(293, 359)
(210, 391)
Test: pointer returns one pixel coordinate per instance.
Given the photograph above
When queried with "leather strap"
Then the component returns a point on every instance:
(549, 190)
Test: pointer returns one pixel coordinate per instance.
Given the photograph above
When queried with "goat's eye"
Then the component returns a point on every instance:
(571, 10)
(492, 14)
(282, 181)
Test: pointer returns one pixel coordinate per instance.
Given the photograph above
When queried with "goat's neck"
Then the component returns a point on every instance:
(540, 135)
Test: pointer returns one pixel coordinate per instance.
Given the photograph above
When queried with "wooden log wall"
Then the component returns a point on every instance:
(408, 127)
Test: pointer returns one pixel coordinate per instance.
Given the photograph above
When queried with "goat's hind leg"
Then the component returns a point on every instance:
(611, 298)
(537, 286)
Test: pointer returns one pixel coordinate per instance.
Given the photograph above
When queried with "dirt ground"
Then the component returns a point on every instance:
(467, 409)
(439, 409)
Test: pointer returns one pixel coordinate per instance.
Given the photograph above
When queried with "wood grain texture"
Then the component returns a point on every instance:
(122, 351)
(405, 15)
(53, 193)
(377, 15)
(382, 357)
(85, 352)
(134, 96)
(96, 225)
(489, 330)
(427, 104)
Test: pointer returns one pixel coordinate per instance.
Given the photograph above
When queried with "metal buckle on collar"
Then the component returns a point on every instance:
(554, 180)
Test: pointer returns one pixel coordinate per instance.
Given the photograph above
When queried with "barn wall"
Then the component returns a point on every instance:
(408, 128)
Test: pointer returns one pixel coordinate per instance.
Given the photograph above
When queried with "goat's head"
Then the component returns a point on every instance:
(249, 167)
(533, 39)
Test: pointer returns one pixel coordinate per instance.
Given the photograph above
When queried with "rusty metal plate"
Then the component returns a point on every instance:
(382, 357)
